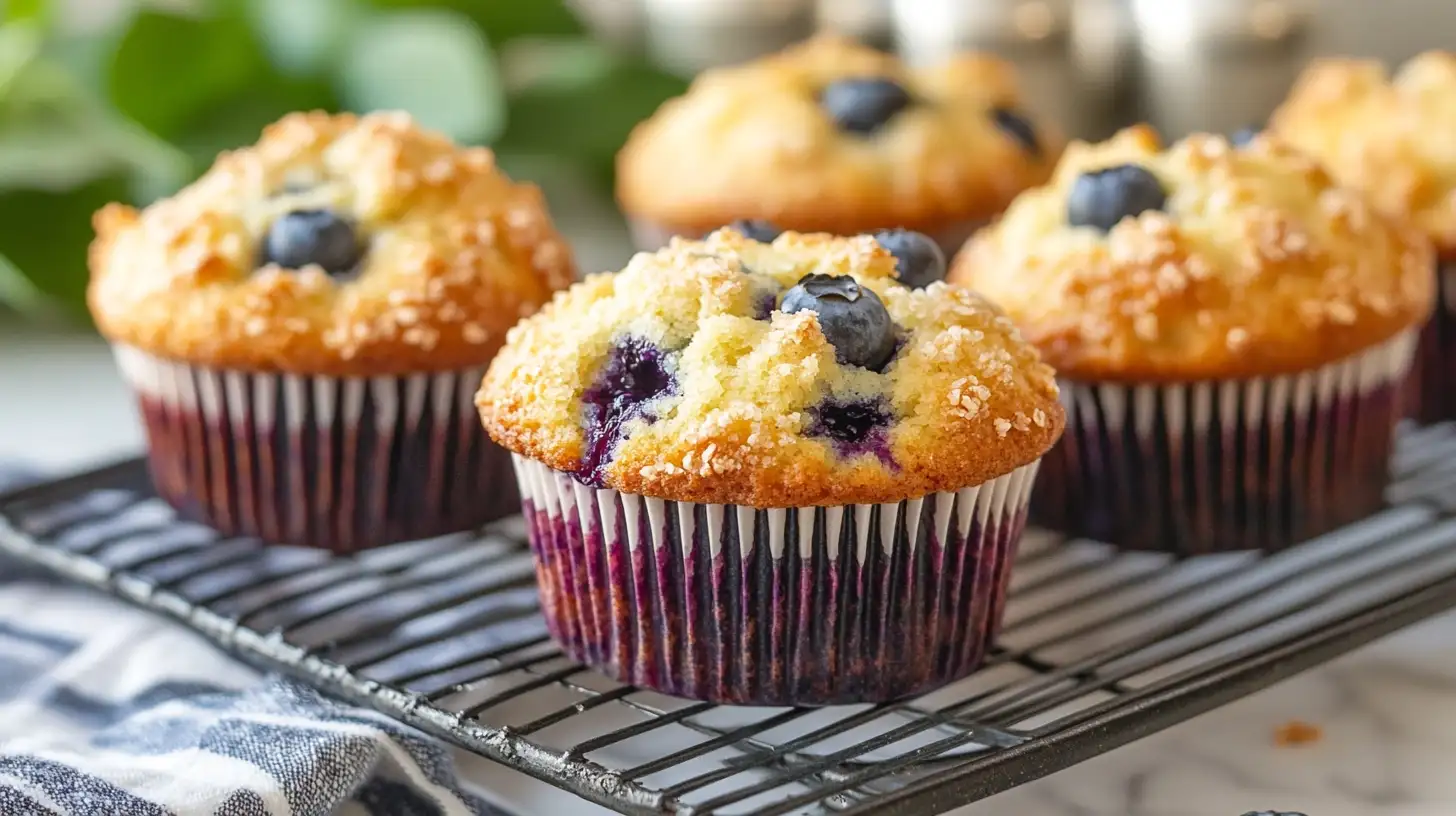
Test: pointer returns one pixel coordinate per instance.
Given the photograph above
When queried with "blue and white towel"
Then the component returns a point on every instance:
(109, 711)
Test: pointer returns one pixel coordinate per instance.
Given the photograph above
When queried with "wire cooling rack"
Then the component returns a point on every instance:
(1098, 650)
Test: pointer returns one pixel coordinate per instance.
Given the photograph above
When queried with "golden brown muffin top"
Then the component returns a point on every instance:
(682, 377)
(1256, 264)
(754, 141)
(1388, 136)
(451, 254)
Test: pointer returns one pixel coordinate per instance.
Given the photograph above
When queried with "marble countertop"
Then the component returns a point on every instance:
(1387, 712)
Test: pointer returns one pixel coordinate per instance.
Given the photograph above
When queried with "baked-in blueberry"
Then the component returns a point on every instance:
(1101, 198)
(1243, 136)
(863, 104)
(919, 259)
(756, 229)
(303, 237)
(854, 427)
(1019, 128)
(853, 319)
(635, 374)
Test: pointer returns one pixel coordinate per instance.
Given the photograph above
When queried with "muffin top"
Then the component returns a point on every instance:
(789, 374)
(833, 136)
(337, 245)
(1390, 137)
(1198, 261)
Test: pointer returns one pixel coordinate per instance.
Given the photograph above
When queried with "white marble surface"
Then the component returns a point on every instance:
(1388, 711)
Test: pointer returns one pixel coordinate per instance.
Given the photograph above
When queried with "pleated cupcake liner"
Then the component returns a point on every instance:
(1433, 386)
(804, 606)
(1204, 467)
(650, 236)
(338, 463)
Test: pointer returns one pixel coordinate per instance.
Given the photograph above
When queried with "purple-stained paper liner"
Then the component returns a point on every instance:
(338, 463)
(649, 236)
(1433, 385)
(1208, 467)
(806, 606)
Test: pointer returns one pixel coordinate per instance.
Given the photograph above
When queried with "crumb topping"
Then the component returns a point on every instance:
(752, 141)
(963, 400)
(1386, 135)
(1256, 265)
(455, 253)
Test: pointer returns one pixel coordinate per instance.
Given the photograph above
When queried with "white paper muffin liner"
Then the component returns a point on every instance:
(803, 606)
(338, 463)
(1204, 467)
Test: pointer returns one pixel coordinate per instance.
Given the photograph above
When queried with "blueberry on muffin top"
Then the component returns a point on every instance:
(663, 379)
(1197, 261)
(337, 245)
(1388, 136)
(834, 136)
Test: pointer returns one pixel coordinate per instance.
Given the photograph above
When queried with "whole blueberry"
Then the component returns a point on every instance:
(1101, 198)
(1243, 136)
(853, 319)
(304, 237)
(919, 259)
(863, 104)
(1019, 128)
(756, 229)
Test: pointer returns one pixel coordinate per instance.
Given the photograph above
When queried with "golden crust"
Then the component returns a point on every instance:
(1388, 136)
(751, 141)
(458, 253)
(970, 401)
(1257, 266)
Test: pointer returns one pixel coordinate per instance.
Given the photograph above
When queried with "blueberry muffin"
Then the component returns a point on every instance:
(772, 473)
(1231, 331)
(305, 326)
(1389, 137)
(835, 137)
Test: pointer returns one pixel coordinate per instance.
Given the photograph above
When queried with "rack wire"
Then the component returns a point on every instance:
(1099, 648)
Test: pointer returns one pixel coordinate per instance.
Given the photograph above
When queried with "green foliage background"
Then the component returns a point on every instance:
(132, 105)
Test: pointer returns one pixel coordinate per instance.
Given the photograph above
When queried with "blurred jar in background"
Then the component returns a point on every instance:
(687, 36)
(1218, 65)
(866, 20)
(1035, 35)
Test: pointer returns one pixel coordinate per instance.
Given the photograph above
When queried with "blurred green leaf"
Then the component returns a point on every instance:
(586, 114)
(238, 119)
(28, 11)
(432, 63)
(55, 266)
(167, 68)
(504, 20)
(304, 37)
(16, 290)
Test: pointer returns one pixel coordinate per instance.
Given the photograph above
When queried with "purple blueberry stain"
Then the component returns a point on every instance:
(764, 307)
(854, 427)
(635, 375)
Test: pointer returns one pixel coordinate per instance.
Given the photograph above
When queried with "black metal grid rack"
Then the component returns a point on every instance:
(1099, 648)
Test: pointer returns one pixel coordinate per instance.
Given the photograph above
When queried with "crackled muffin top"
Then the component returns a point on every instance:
(789, 374)
(833, 136)
(1198, 261)
(337, 245)
(1388, 136)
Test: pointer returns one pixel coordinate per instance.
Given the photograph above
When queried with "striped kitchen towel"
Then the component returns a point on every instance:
(108, 711)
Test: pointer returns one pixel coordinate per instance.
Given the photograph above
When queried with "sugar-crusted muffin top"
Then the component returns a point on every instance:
(1198, 261)
(833, 136)
(337, 245)
(686, 377)
(1388, 136)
